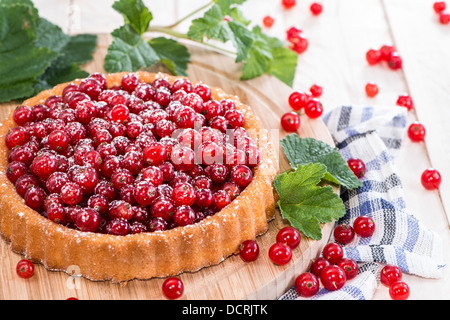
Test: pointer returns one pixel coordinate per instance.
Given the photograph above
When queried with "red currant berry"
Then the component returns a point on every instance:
(22, 115)
(386, 51)
(306, 284)
(318, 265)
(333, 252)
(129, 82)
(288, 4)
(293, 33)
(120, 113)
(395, 61)
(241, 175)
(298, 100)
(268, 21)
(280, 253)
(431, 179)
(249, 250)
(316, 8)
(373, 56)
(439, 6)
(399, 290)
(172, 288)
(290, 121)
(183, 216)
(390, 274)
(316, 90)
(416, 132)
(299, 44)
(25, 268)
(314, 108)
(349, 266)
(357, 166)
(444, 17)
(406, 101)
(344, 233)
(371, 89)
(364, 226)
(333, 277)
(290, 236)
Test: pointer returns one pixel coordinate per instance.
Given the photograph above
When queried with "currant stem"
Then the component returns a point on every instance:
(174, 33)
(190, 15)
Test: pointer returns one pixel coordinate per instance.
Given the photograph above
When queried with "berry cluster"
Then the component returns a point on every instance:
(297, 39)
(385, 53)
(440, 7)
(280, 253)
(298, 100)
(139, 157)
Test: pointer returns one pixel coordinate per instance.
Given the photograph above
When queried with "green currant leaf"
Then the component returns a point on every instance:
(304, 204)
(300, 151)
(128, 51)
(172, 54)
(135, 13)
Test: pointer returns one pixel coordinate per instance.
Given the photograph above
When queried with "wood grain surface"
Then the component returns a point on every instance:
(232, 278)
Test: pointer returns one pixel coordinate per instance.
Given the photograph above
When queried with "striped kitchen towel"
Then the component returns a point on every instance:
(374, 135)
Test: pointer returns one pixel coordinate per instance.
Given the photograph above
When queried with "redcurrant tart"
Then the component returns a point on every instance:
(290, 121)
(306, 284)
(25, 269)
(280, 253)
(111, 157)
(249, 250)
(364, 226)
(390, 274)
(399, 290)
(333, 277)
(416, 132)
(173, 288)
(431, 179)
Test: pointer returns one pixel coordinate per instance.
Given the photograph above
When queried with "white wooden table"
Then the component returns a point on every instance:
(335, 59)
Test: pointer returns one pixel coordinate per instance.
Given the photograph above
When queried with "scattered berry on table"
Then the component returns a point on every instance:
(288, 4)
(344, 233)
(371, 89)
(173, 288)
(268, 21)
(25, 268)
(405, 100)
(416, 132)
(290, 121)
(399, 290)
(431, 179)
(357, 166)
(390, 274)
(306, 284)
(316, 8)
(364, 226)
(280, 253)
(249, 250)
(333, 277)
(333, 252)
(290, 236)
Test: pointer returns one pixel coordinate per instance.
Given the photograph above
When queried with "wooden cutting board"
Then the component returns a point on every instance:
(231, 279)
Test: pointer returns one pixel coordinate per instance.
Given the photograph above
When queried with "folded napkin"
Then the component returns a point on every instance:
(374, 135)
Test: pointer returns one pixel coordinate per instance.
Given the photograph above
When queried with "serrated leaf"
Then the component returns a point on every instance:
(212, 25)
(50, 35)
(172, 54)
(128, 51)
(304, 204)
(135, 13)
(259, 56)
(283, 65)
(300, 151)
(17, 25)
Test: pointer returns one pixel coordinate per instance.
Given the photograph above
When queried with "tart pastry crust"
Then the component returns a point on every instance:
(143, 255)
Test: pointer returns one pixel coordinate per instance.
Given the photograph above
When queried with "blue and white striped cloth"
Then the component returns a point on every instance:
(374, 135)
